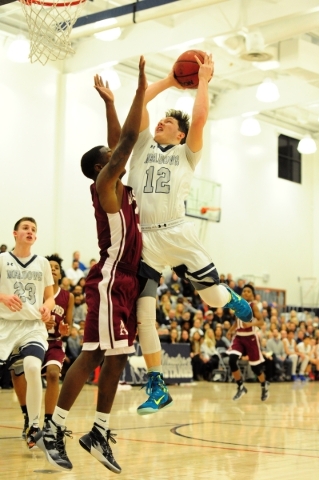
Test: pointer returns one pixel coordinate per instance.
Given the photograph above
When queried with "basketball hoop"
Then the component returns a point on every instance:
(50, 25)
(211, 214)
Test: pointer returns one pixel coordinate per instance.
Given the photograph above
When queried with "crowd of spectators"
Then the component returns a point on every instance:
(289, 340)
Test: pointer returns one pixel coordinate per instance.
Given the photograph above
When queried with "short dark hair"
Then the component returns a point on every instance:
(24, 219)
(89, 160)
(182, 120)
(251, 288)
(55, 258)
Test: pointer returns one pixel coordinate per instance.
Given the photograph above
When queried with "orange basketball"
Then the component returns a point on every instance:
(186, 68)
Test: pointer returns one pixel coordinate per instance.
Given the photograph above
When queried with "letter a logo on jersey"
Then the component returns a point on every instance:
(123, 330)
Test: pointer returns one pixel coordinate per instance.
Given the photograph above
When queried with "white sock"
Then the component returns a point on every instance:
(102, 421)
(59, 416)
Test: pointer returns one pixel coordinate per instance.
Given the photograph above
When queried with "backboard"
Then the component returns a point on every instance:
(204, 200)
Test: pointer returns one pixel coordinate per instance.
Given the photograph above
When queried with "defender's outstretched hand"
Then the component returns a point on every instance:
(142, 81)
(104, 90)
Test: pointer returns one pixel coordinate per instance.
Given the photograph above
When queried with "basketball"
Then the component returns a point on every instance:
(186, 68)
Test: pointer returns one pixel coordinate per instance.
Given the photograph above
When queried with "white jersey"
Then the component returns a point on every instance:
(161, 177)
(27, 278)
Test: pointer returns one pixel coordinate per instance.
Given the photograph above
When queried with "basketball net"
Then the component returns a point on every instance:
(50, 25)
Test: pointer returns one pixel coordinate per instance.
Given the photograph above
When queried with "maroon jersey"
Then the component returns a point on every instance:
(119, 234)
(112, 286)
(245, 331)
(59, 311)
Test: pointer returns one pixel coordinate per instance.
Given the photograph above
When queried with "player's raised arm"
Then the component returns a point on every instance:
(155, 89)
(113, 124)
(201, 104)
(109, 176)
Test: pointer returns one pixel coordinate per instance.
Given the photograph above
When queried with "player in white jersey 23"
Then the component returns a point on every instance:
(26, 301)
(161, 171)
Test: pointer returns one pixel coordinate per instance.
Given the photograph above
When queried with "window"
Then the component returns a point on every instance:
(289, 159)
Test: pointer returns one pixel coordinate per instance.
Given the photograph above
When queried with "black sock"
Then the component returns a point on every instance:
(24, 409)
(262, 384)
(240, 382)
(47, 417)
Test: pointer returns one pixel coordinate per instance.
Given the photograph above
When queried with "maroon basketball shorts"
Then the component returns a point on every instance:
(243, 345)
(54, 355)
(111, 296)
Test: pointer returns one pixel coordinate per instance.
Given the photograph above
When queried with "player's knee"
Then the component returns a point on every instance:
(233, 362)
(52, 376)
(257, 369)
(146, 312)
(32, 366)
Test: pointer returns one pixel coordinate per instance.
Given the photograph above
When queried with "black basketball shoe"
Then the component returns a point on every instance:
(98, 446)
(51, 440)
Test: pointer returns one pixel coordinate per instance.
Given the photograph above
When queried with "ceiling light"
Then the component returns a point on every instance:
(109, 35)
(307, 145)
(267, 91)
(19, 50)
(185, 104)
(250, 127)
(112, 77)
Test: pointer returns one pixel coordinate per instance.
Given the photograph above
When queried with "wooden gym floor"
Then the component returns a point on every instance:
(203, 435)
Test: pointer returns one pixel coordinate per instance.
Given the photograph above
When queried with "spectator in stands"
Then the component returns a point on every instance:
(73, 349)
(174, 337)
(265, 316)
(226, 326)
(197, 363)
(208, 318)
(78, 309)
(209, 355)
(175, 285)
(290, 347)
(179, 310)
(221, 340)
(239, 287)
(162, 288)
(3, 248)
(276, 346)
(304, 352)
(76, 256)
(314, 358)
(186, 325)
(74, 273)
(66, 284)
(270, 361)
(174, 325)
(197, 327)
(259, 302)
(86, 271)
(300, 336)
(184, 338)
(310, 330)
(218, 316)
(163, 333)
(229, 278)
(163, 314)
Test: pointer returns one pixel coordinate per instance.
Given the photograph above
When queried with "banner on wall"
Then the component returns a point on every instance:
(176, 361)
